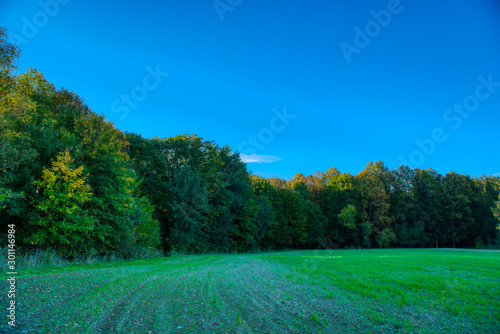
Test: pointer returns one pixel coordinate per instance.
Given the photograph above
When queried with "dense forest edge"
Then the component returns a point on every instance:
(72, 182)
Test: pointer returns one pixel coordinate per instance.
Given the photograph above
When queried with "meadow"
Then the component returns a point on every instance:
(326, 291)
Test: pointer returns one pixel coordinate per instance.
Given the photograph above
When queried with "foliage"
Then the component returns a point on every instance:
(347, 217)
(59, 219)
(496, 212)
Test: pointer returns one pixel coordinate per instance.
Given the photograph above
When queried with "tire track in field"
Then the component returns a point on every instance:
(118, 313)
(124, 317)
(178, 303)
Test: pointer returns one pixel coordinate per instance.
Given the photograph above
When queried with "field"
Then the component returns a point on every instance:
(341, 291)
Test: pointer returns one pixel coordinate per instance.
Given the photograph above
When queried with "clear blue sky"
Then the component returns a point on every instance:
(231, 69)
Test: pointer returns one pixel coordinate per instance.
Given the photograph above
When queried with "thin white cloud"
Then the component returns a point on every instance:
(258, 159)
(497, 174)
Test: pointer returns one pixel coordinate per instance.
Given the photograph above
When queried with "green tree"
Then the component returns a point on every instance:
(266, 216)
(485, 192)
(290, 229)
(152, 161)
(347, 217)
(459, 219)
(298, 184)
(189, 207)
(326, 176)
(385, 238)
(316, 187)
(15, 148)
(496, 212)
(426, 223)
(9, 54)
(373, 185)
(402, 206)
(59, 219)
(146, 228)
(264, 221)
(341, 192)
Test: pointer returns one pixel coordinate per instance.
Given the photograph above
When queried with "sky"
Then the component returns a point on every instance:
(294, 86)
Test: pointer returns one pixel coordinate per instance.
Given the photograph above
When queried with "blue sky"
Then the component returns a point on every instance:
(296, 86)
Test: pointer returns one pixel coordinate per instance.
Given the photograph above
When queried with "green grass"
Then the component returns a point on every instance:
(462, 282)
(354, 291)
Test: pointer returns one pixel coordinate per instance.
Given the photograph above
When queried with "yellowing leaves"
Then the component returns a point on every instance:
(64, 187)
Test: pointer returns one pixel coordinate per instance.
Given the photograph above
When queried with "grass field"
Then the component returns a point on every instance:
(342, 291)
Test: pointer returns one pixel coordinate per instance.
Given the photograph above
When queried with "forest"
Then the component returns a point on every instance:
(71, 181)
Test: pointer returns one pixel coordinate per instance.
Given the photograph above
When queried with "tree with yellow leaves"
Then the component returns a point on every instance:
(60, 220)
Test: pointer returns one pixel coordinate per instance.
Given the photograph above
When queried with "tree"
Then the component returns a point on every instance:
(426, 223)
(457, 191)
(347, 217)
(152, 161)
(290, 228)
(60, 219)
(496, 212)
(299, 185)
(385, 238)
(243, 203)
(373, 185)
(402, 206)
(316, 187)
(15, 148)
(189, 205)
(146, 228)
(264, 221)
(326, 176)
(266, 217)
(298, 178)
(485, 191)
(471, 223)
(340, 192)
(245, 230)
(315, 226)
(277, 183)
(9, 54)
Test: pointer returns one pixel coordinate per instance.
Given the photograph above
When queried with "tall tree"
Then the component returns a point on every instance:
(266, 216)
(326, 176)
(340, 193)
(290, 229)
(459, 219)
(15, 147)
(59, 219)
(496, 212)
(485, 192)
(189, 210)
(372, 183)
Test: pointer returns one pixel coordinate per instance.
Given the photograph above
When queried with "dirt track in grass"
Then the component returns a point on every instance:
(209, 294)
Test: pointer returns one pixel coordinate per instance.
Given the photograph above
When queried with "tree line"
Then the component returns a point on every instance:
(71, 181)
